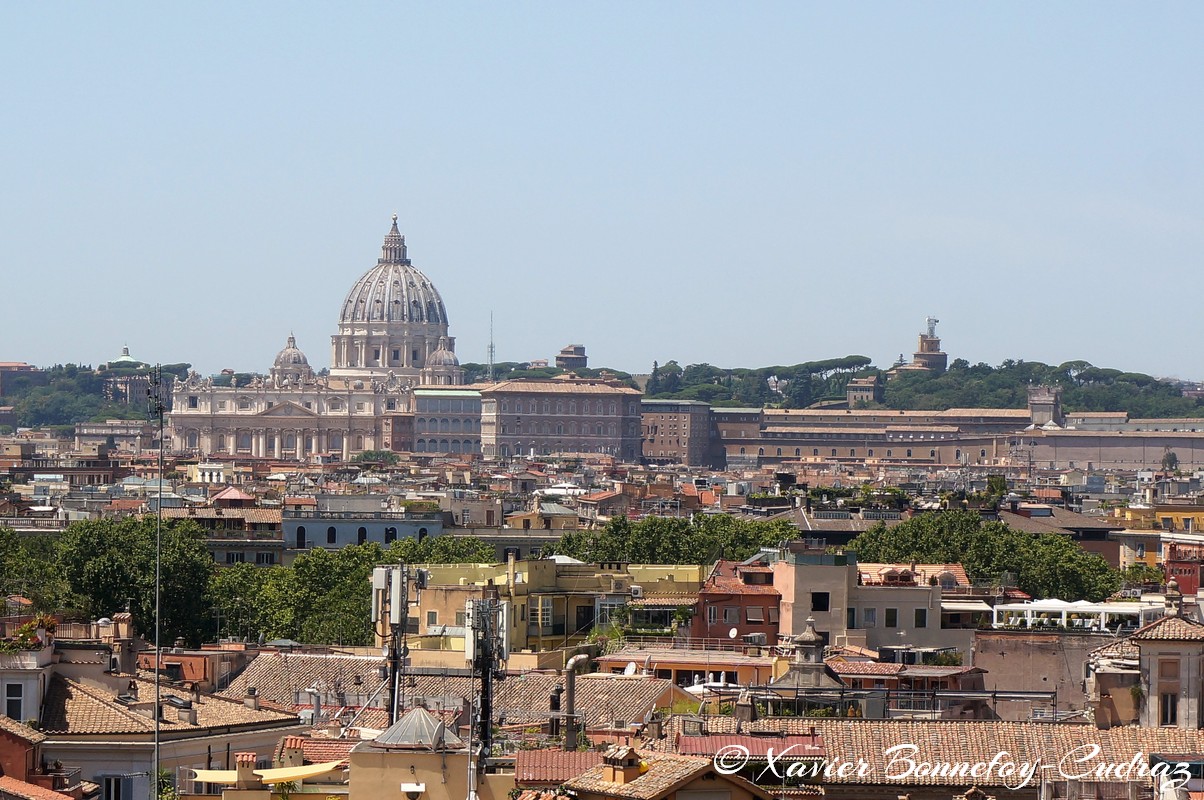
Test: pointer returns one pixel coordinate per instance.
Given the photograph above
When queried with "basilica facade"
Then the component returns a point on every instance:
(392, 339)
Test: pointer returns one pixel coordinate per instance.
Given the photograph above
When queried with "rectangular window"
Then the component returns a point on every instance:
(731, 615)
(771, 615)
(14, 696)
(820, 601)
(235, 558)
(460, 619)
(921, 618)
(1168, 708)
(756, 615)
(892, 618)
(359, 406)
(1167, 668)
(265, 559)
(118, 788)
(869, 616)
(712, 615)
(221, 405)
(396, 355)
(192, 402)
(851, 618)
(432, 618)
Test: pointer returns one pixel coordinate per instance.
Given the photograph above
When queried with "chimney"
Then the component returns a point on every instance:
(290, 755)
(187, 714)
(621, 764)
(251, 701)
(244, 764)
(745, 711)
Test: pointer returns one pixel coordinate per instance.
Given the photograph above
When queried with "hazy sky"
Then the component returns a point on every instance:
(740, 183)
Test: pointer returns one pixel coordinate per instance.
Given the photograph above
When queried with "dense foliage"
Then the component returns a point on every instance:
(800, 385)
(67, 394)
(1084, 388)
(98, 568)
(674, 540)
(510, 370)
(1045, 565)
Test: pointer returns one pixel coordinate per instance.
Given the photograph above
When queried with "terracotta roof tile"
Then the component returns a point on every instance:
(10, 786)
(551, 767)
(664, 773)
(21, 731)
(1175, 629)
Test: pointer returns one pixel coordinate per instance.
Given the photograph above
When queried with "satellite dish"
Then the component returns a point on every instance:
(630, 668)
(733, 633)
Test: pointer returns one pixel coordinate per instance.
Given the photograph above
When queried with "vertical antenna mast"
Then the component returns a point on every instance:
(491, 347)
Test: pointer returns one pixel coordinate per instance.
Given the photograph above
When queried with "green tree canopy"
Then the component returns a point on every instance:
(1047, 565)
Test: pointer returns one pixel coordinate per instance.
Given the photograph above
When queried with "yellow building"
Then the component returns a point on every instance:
(552, 604)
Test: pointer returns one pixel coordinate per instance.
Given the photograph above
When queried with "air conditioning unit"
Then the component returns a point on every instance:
(637, 591)
(619, 585)
(758, 639)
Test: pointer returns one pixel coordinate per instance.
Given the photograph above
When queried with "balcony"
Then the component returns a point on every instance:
(27, 659)
(554, 629)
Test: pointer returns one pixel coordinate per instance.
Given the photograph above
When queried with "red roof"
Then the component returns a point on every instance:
(18, 788)
(725, 579)
(786, 748)
(863, 667)
(552, 767)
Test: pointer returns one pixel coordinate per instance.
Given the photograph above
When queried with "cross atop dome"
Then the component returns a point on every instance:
(394, 249)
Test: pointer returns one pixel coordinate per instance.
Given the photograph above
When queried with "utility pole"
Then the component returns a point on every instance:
(157, 404)
(390, 619)
(486, 644)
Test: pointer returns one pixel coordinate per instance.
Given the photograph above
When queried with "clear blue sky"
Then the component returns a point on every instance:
(740, 183)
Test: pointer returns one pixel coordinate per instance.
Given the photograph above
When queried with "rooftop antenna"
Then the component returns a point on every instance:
(932, 321)
(491, 350)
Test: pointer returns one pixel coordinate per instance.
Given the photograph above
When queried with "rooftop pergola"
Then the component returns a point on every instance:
(1079, 615)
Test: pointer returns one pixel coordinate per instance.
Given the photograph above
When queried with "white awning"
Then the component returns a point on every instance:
(964, 605)
(279, 775)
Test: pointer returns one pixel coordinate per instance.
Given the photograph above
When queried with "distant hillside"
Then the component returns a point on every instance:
(1084, 387)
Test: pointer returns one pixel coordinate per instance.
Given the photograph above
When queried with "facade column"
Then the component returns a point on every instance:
(231, 441)
(347, 445)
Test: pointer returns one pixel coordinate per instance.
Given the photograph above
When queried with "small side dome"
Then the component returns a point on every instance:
(443, 357)
(290, 357)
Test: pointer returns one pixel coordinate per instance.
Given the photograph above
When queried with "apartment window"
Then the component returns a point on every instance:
(265, 559)
(432, 618)
(235, 558)
(1168, 708)
(851, 618)
(869, 617)
(756, 615)
(14, 699)
(712, 615)
(731, 615)
(921, 618)
(1141, 549)
(459, 619)
(909, 453)
(117, 787)
(331, 535)
(820, 601)
(892, 618)
(376, 354)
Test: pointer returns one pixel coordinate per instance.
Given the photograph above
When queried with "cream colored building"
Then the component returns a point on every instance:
(392, 337)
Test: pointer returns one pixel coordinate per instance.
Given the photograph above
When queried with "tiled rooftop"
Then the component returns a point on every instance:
(551, 767)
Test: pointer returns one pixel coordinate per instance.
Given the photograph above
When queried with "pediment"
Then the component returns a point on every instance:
(287, 409)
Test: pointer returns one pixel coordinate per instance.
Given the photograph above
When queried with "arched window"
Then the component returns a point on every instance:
(798, 452)
(779, 451)
(760, 451)
(814, 451)
(932, 454)
(833, 452)
(390, 535)
(741, 451)
(889, 453)
(361, 536)
(957, 455)
(909, 452)
(420, 446)
(613, 408)
(336, 441)
(192, 440)
(359, 442)
(852, 453)
(332, 535)
(869, 453)
(982, 453)
(221, 442)
(300, 537)
(422, 532)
